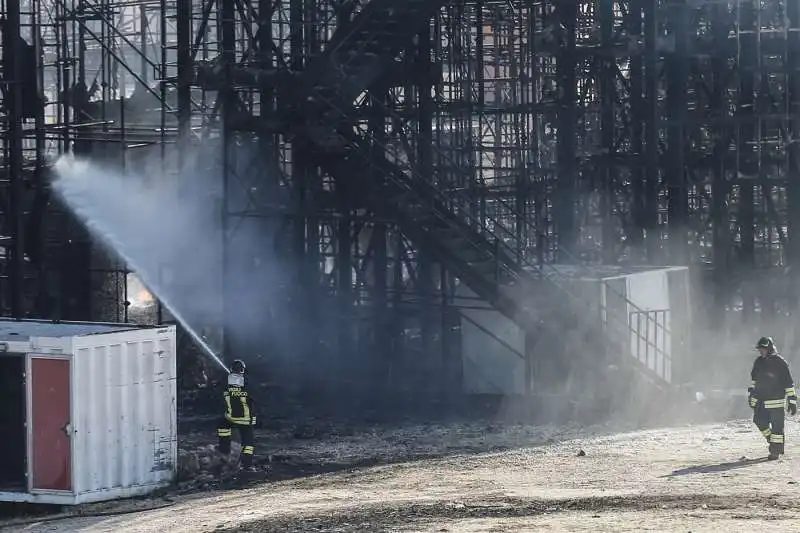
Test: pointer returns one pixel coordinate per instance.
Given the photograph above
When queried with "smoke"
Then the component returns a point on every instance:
(172, 243)
(169, 231)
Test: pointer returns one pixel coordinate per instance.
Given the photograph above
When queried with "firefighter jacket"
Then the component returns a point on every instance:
(772, 380)
(239, 406)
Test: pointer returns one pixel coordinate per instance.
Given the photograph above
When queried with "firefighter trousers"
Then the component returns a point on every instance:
(769, 420)
(246, 437)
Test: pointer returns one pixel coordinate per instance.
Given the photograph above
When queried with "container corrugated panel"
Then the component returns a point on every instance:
(124, 413)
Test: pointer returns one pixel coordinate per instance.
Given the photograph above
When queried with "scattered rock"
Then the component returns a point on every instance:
(581, 453)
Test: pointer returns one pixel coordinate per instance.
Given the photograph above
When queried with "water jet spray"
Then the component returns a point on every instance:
(64, 166)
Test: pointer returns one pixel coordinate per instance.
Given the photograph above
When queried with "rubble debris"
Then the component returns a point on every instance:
(200, 466)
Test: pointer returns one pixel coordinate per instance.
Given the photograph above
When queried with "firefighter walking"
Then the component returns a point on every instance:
(239, 414)
(770, 393)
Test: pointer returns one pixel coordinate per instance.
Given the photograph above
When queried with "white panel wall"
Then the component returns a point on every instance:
(650, 338)
(649, 290)
(124, 411)
(494, 367)
(491, 366)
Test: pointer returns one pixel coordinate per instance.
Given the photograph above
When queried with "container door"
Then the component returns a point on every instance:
(51, 455)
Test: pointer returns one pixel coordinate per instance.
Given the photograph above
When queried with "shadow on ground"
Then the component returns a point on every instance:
(718, 467)
(390, 517)
(286, 470)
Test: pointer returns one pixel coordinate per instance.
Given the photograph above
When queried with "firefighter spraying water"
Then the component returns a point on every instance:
(771, 391)
(239, 414)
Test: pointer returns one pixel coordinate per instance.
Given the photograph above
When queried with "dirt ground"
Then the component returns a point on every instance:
(488, 478)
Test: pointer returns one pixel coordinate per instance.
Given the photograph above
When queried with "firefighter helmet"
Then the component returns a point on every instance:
(238, 367)
(766, 342)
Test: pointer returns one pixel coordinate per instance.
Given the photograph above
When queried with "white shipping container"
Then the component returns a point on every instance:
(88, 412)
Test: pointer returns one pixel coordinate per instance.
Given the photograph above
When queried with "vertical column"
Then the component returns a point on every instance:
(633, 25)
(397, 326)
(16, 210)
(266, 60)
(64, 59)
(452, 362)
(565, 188)
(299, 166)
(432, 360)
(677, 68)
(310, 186)
(608, 92)
(792, 62)
(144, 70)
(184, 23)
(475, 103)
(524, 121)
(382, 336)
(382, 346)
(227, 39)
(651, 134)
(302, 290)
(427, 321)
(346, 315)
(36, 243)
(719, 185)
(184, 89)
(747, 168)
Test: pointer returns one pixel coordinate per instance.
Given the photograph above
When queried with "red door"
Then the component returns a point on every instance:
(50, 408)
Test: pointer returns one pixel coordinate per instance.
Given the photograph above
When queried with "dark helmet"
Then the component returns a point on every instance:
(766, 342)
(238, 367)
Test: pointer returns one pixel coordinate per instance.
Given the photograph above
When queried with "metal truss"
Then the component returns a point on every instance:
(599, 132)
(626, 132)
(81, 76)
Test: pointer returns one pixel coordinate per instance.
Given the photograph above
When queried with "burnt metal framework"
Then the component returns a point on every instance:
(589, 131)
(76, 77)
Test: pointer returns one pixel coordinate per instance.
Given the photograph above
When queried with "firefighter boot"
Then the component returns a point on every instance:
(776, 443)
(774, 453)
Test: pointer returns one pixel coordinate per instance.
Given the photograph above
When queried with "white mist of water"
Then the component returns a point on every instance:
(153, 233)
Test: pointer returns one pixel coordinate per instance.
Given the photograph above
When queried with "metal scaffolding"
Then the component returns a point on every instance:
(593, 132)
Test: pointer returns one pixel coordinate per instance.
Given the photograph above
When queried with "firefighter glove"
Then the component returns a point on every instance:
(752, 400)
(252, 421)
(792, 405)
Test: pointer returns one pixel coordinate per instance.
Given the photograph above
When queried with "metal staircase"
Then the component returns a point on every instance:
(359, 54)
(480, 256)
(429, 220)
